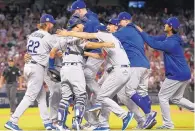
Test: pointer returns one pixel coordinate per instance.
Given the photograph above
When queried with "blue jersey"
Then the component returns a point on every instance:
(133, 45)
(91, 22)
(176, 67)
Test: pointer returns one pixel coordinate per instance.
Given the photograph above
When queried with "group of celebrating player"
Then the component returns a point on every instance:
(78, 55)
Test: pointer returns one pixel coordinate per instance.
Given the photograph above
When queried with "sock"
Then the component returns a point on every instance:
(147, 100)
(62, 115)
(141, 103)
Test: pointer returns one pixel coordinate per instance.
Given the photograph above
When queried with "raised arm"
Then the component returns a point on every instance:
(95, 45)
(82, 35)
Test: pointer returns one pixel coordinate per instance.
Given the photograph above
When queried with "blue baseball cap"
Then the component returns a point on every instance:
(114, 22)
(47, 18)
(172, 21)
(124, 16)
(73, 21)
(79, 4)
(100, 28)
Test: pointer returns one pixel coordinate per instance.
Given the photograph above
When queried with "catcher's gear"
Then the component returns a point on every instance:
(54, 75)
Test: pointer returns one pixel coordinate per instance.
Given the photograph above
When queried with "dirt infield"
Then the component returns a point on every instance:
(183, 120)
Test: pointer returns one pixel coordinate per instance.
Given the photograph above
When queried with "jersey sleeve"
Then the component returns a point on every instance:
(18, 72)
(5, 73)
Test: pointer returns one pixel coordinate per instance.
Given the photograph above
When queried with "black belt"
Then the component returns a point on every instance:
(112, 67)
(70, 63)
(34, 62)
(75, 53)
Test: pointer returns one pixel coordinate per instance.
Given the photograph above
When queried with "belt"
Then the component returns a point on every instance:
(109, 70)
(70, 63)
(34, 62)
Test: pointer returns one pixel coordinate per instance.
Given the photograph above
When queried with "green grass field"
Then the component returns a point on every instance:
(183, 120)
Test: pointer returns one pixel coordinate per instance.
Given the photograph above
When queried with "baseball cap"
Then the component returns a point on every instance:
(73, 21)
(113, 22)
(100, 28)
(79, 4)
(172, 21)
(124, 16)
(47, 18)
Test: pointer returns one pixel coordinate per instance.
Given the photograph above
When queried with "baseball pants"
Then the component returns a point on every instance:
(115, 81)
(54, 97)
(34, 74)
(91, 68)
(173, 90)
(11, 90)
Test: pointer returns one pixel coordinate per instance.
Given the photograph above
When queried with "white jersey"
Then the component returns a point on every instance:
(71, 44)
(115, 56)
(39, 45)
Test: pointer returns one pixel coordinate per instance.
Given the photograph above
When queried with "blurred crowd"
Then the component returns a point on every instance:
(17, 21)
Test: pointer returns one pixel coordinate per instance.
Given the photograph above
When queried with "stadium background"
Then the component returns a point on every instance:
(18, 18)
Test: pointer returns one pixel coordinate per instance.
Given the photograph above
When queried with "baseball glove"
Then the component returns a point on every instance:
(54, 75)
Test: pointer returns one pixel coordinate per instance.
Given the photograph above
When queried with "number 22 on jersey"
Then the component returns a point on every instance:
(32, 46)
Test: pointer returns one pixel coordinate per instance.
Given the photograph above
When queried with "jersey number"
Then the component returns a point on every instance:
(32, 46)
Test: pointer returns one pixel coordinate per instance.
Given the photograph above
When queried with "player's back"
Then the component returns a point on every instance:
(39, 44)
(117, 55)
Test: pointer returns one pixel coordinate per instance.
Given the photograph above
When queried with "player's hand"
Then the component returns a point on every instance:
(27, 58)
(62, 32)
(109, 45)
(59, 54)
(139, 28)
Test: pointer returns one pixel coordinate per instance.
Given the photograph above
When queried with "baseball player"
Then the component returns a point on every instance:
(39, 45)
(72, 74)
(92, 65)
(137, 87)
(119, 73)
(176, 69)
(112, 26)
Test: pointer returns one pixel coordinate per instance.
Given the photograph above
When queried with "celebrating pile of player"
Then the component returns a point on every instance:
(69, 60)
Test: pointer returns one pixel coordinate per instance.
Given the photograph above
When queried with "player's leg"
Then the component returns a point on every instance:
(54, 97)
(167, 90)
(111, 86)
(139, 117)
(91, 68)
(79, 88)
(42, 104)
(13, 91)
(35, 81)
(178, 98)
(67, 97)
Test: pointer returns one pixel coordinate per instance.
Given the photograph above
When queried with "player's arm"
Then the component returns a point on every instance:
(2, 80)
(82, 35)
(94, 55)
(52, 55)
(95, 45)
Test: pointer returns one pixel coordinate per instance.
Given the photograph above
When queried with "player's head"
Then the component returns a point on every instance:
(171, 25)
(78, 7)
(75, 24)
(124, 18)
(101, 28)
(112, 25)
(11, 62)
(46, 22)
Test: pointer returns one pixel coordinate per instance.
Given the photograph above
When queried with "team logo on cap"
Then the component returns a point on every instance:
(47, 19)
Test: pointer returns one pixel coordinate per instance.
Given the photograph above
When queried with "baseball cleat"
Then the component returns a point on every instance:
(127, 120)
(149, 120)
(62, 128)
(152, 125)
(49, 126)
(102, 129)
(11, 126)
(95, 107)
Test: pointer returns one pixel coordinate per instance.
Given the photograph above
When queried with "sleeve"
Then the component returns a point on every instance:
(119, 33)
(83, 44)
(105, 37)
(18, 72)
(52, 41)
(5, 73)
(90, 26)
(159, 45)
(159, 38)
